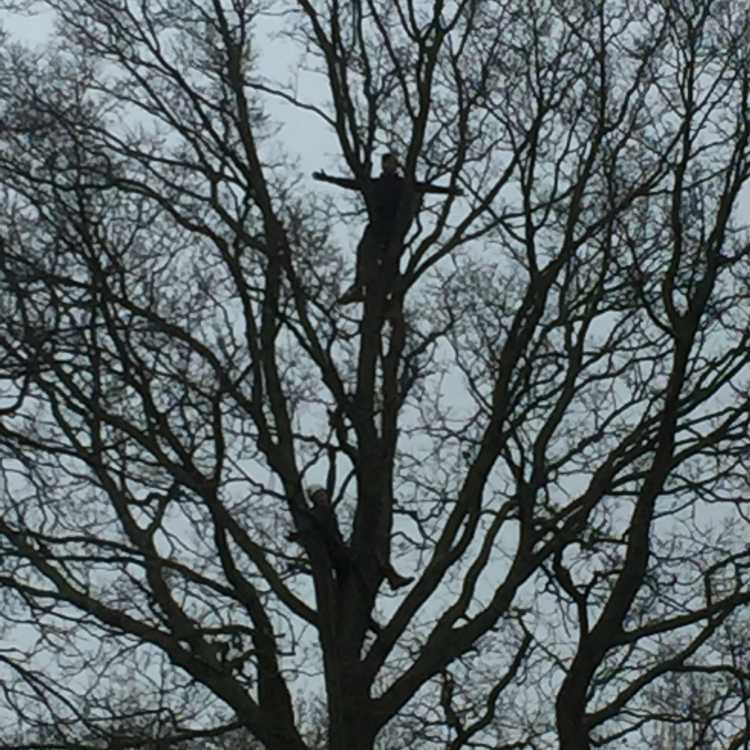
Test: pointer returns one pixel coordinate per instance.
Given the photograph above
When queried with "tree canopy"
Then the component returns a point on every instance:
(541, 415)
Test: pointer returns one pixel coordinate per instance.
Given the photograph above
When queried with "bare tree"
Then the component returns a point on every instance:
(539, 411)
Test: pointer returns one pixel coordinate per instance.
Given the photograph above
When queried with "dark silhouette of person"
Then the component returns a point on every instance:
(386, 194)
(320, 519)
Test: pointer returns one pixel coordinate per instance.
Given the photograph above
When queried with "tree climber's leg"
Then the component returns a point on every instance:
(391, 262)
(366, 250)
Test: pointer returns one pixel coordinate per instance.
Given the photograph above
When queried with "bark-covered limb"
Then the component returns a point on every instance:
(739, 740)
(273, 694)
(457, 640)
(465, 733)
(607, 629)
(579, 598)
(710, 613)
(675, 663)
(200, 666)
(467, 509)
(345, 116)
(184, 473)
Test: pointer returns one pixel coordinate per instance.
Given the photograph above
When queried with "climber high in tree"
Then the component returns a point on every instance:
(384, 196)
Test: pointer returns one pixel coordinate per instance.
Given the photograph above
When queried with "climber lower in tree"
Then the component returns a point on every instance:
(320, 520)
(384, 196)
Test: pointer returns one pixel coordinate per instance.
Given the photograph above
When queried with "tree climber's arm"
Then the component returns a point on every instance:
(424, 187)
(344, 182)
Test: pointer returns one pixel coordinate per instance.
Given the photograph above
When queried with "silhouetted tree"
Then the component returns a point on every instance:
(540, 412)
